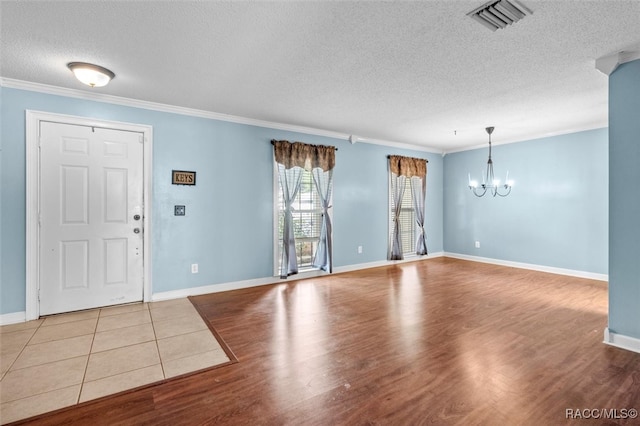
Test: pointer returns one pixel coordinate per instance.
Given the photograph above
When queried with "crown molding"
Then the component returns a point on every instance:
(485, 145)
(155, 106)
(609, 63)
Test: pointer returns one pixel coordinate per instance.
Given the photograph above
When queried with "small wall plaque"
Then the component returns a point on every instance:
(182, 177)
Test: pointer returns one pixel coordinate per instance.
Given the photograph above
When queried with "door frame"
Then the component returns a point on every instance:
(32, 141)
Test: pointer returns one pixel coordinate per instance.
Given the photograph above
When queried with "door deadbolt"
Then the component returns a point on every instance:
(136, 217)
(136, 230)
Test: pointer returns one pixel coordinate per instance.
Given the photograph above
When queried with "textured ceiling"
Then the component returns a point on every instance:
(420, 73)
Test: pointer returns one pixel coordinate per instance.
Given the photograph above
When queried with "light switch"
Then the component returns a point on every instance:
(178, 210)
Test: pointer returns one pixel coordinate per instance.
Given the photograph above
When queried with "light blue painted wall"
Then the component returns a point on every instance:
(556, 214)
(227, 229)
(624, 201)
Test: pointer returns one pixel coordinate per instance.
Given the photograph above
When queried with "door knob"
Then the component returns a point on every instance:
(136, 217)
(136, 230)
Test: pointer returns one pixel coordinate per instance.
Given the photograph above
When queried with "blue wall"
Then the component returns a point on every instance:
(556, 214)
(624, 201)
(227, 229)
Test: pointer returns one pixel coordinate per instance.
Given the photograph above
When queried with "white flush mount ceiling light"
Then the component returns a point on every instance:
(90, 74)
(497, 14)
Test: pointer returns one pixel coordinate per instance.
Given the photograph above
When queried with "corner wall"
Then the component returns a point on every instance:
(624, 203)
(556, 215)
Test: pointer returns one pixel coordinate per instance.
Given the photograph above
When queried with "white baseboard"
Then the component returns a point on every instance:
(376, 264)
(621, 341)
(213, 288)
(237, 285)
(16, 317)
(13, 318)
(530, 266)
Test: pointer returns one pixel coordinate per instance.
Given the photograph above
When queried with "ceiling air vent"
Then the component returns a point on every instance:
(500, 13)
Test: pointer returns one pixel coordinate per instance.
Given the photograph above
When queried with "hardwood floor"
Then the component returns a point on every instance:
(439, 341)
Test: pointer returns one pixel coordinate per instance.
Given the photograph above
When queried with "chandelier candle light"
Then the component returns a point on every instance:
(490, 184)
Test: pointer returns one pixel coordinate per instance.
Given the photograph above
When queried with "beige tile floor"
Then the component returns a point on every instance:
(61, 360)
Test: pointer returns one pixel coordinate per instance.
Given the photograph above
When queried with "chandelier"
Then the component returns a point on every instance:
(489, 182)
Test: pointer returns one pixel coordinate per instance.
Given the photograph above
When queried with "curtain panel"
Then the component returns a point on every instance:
(290, 180)
(414, 169)
(397, 193)
(323, 258)
(292, 159)
(418, 190)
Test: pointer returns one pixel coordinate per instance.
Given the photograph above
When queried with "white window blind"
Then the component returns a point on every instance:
(407, 220)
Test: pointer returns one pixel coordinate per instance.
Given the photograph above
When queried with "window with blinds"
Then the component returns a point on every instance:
(407, 220)
(307, 221)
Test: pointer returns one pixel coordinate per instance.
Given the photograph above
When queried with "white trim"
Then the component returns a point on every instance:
(33, 119)
(276, 212)
(592, 126)
(530, 266)
(237, 285)
(609, 63)
(379, 263)
(401, 145)
(32, 178)
(155, 106)
(147, 164)
(13, 318)
(621, 341)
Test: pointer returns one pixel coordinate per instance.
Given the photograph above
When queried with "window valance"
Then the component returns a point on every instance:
(306, 156)
(408, 166)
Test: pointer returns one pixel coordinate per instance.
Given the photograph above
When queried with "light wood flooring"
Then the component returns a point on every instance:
(439, 342)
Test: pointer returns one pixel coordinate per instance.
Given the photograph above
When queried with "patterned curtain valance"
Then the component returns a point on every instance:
(309, 157)
(408, 166)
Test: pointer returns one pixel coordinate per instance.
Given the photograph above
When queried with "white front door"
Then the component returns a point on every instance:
(91, 217)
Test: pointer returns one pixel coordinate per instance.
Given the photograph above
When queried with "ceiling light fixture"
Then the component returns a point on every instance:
(90, 74)
(491, 184)
(497, 14)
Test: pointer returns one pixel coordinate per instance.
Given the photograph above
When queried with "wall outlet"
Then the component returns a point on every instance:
(359, 249)
(194, 268)
(477, 244)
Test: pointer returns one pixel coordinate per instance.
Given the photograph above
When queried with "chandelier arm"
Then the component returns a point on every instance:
(506, 193)
(484, 187)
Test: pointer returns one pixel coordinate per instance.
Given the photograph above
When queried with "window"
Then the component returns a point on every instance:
(407, 193)
(302, 230)
(408, 226)
(307, 222)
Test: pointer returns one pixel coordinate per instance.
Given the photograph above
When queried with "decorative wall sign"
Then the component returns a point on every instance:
(182, 177)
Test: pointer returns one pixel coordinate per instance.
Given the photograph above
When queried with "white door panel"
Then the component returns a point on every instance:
(90, 189)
